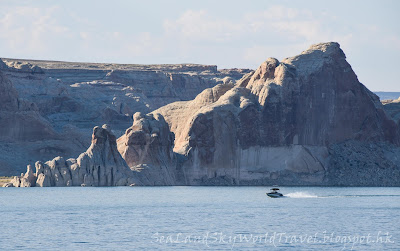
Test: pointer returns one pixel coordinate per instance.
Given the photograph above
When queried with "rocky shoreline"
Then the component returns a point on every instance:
(304, 120)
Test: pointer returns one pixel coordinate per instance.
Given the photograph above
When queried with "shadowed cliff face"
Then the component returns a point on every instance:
(278, 123)
(315, 99)
(334, 103)
(19, 119)
(25, 134)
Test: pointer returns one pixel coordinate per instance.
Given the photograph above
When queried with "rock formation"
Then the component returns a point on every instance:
(147, 146)
(25, 134)
(100, 165)
(59, 96)
(305, 120)
(283, 123)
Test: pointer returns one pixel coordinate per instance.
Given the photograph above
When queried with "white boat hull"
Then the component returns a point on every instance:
(275, 195)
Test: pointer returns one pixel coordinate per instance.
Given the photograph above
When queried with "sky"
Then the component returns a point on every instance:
(229, 34)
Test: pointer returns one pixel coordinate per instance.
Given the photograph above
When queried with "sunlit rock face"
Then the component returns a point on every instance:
(147, 147)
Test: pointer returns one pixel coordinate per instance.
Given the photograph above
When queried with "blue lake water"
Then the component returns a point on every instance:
(199, 218)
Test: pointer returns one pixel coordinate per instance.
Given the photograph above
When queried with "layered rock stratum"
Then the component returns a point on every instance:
(304, 120)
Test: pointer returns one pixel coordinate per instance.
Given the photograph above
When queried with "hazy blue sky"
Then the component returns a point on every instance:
(226, 33)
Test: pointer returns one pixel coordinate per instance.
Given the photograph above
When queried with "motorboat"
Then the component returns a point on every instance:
(275, 193)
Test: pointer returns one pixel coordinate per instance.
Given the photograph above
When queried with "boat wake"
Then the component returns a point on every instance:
(310, 195)
(301, 195)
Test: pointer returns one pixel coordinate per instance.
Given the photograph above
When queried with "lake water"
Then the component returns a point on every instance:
(199, 218)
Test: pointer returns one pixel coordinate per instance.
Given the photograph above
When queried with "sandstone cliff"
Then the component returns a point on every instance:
(284, 123)
(100, 165)
(59, 103)
(304, 120)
